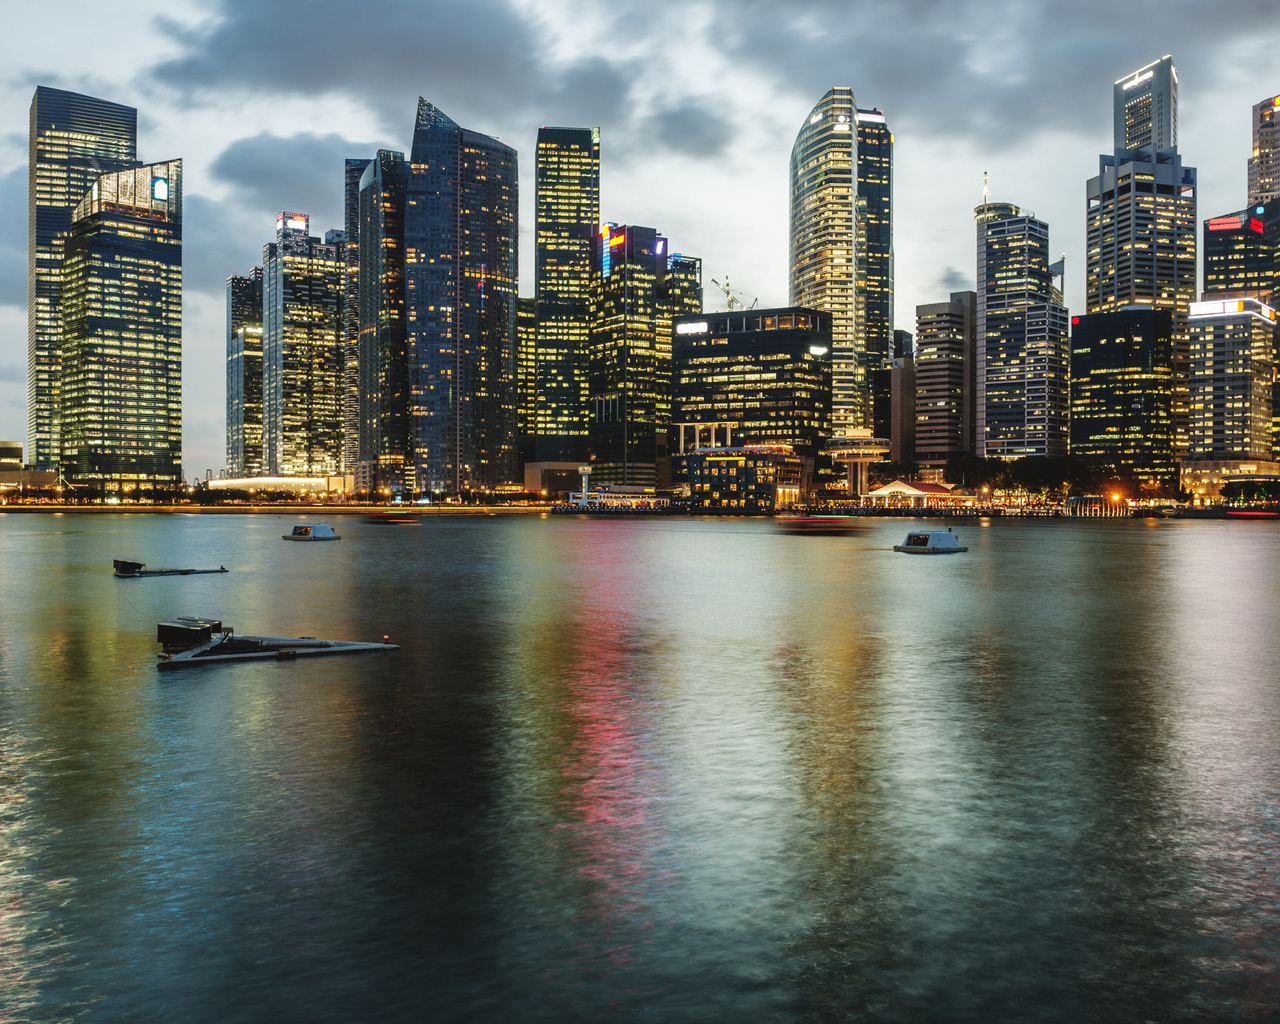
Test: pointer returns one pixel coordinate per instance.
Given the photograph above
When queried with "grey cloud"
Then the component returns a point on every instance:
(953, 280)
(12, 373)
(691, 128)
(301, 173)
(219, 240)
(13, 238)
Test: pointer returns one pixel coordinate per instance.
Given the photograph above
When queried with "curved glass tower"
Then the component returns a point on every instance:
(824, 224)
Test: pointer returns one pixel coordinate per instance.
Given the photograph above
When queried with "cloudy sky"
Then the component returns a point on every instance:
(698, 104)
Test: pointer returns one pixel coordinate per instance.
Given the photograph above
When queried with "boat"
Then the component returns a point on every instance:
(820, 526)
(391, 519)
(127, 570)
(188, 640)
(311, 531)
(931, 542)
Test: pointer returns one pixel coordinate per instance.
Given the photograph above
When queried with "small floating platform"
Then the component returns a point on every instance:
(126, 570)
(312, 531)
(931, 542)
(193, 641)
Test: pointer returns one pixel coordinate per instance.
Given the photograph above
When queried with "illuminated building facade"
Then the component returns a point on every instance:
(526, 379)
(302, 356)
(766, 372)
(747, 478)
(121, 311)
(353, 171)
(383, 360)
(1145, 107)
(244, 374)
(1232, 352)
(73, 140)
(875, 254)
(567, 216)
(460, 288)
(638, 288)
(946, 379)
(1022, 349)
(824, 229)
(1122, 390)
(1240, 253)
(1264, 162)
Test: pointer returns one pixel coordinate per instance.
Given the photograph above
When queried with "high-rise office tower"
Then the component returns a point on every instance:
(638, 288)
(73, 140)
(1122, 390)
(823, 262)
(383, 356)
(1141, 217)
(893, 399)
(1241, 251)
(1232, 372)
(946, 379)
(1145, 107)
(567, 215)
(1023, 358)
(244, 374)
(353, 171)
(460, 281)
(121, 311)
(302, 365)
(1264, 162)
(875, 255)
(526, 379)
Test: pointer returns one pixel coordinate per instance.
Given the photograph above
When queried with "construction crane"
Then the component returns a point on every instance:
(732, 299)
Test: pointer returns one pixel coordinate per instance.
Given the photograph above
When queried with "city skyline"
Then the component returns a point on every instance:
(255, 148)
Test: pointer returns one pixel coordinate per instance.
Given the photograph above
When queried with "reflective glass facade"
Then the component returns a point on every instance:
(1122, 390)
(1264, 161)
(638, 288)
(567, 215)
(353, 171)
(1233, 364)
(460, 284)
(244, 356)
(121, 314)
(875, 254)
(302, 352)
(1241, 251)
(823, 240)
(73, 139)
(526, 379)
(1145, 107)
(1022, 348)
(946, 379)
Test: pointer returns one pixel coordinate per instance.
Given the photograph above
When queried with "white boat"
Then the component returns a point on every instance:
(931, 542)
(311, 531)
(191, 641)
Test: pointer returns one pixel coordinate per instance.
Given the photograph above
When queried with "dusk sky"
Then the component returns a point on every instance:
(698, 105)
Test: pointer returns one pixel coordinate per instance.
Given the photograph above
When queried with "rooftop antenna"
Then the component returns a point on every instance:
(986, 192)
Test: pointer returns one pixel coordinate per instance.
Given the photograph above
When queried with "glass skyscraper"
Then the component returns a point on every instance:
(1022, 348)
(946, 379)
(460, 285)
(244, 375)
(121, 316)
(302, 354)
(1145, 107)
(823, 261)
(353, 171)
(1264, 161)
(875, 254)
(1241, 250)
(638, 288)
(567, 216)
(73, 140)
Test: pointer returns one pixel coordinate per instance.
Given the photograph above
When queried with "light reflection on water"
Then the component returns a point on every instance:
(692, 769)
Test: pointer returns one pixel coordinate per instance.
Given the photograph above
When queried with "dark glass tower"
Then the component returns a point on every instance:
(1240, 253)
(638, 288)
(121, 306)
(352, 173)
(946, 379)
(460, 280)
(567, 217)
(244, 375)
(73, 140)
(875, 256)
(383, 413)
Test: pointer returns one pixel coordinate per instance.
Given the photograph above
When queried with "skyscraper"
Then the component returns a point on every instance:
(1241, 251)
(875, 257)
(823, 261)
(1264, 162)
(244, 375)
(638, 288)
(1022, 350)
(383, 422)
(1232, 371)
(460, 282)
(353, 171)
(1122, 390)
(1145, 107)
(121, 337)
(946, 379)
(73, 140)
(567, 215)
(302, 357)
(526, 379)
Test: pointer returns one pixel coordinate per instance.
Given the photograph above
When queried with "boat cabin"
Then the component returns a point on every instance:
(312, 531)
(930, 542)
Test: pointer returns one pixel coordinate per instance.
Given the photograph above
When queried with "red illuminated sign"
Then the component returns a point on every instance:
(1224, 224)
(1075, 320)
(1255, 225)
